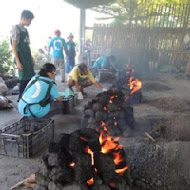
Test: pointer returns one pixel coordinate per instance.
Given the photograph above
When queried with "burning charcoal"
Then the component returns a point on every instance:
(137, 97)
(76, 144)
(114, 131)
(92, 120)
(45, 168)
(74, 186)
(105, 166)
(88, 113)
(62, 175)
(112, 128)
(103, 98)
(94, 145)
(96, 107)
(117, 114)
(122, 163)
(100, 116)
(92, 138)
(89, 133)
(64, 142)
(53, 147)
(83, 167)
(55, 173)
(112, 107)
(101, 187)
(119, 183)
(93, 126)
(53, 159)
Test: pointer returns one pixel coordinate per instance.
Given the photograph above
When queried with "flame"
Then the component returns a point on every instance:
(104, 125)
(89, 151)
(84, 139)
(90, 181)
(112, 98)
(108, 143)
(121, 171)
(112, 184)
(105, 108)
(134, 85)
(72, 164)
(117, 158)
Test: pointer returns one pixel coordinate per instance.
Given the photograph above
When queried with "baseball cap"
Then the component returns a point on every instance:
(57, 31)
(70, 35)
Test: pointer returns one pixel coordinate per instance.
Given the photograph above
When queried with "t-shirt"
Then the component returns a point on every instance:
(57, 44)
(35, 94)
(101, 63)
(76, 75)
(15, 33)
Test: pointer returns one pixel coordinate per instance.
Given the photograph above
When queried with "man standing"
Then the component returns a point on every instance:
(21, 50)
(58, 44)
(70, 58)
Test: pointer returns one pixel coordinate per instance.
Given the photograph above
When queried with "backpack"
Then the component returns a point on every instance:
(44, 101)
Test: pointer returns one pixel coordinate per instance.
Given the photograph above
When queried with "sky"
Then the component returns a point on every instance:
(49, 16)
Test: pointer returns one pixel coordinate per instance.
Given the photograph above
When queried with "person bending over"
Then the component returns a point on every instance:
(35, 101)
(81, 77)
(103, 62)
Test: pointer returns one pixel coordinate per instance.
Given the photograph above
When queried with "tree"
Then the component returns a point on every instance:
(5, 57)
(139, 12)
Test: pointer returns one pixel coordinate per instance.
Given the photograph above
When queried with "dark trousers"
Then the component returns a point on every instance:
(23, 84)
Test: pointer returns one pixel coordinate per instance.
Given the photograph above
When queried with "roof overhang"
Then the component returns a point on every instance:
(86, 4)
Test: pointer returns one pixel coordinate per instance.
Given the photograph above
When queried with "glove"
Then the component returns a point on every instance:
(80, 96)
(104, 90)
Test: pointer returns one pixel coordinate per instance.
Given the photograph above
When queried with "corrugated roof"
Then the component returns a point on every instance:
(85, 4)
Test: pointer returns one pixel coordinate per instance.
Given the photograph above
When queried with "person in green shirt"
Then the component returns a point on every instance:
(21, 50)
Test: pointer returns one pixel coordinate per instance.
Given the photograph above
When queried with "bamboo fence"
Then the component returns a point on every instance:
(158, 38)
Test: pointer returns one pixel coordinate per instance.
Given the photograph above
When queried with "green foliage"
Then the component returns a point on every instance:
(40, 58)
(5, 58)
(138, 11)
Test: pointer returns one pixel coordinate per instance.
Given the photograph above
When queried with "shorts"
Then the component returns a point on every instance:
(82, 82)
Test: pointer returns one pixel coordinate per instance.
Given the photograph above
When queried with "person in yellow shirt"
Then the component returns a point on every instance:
(81, 77)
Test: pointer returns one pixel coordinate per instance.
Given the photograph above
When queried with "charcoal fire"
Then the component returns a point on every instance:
(109, 110)
(84, 159)
(129, 85)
